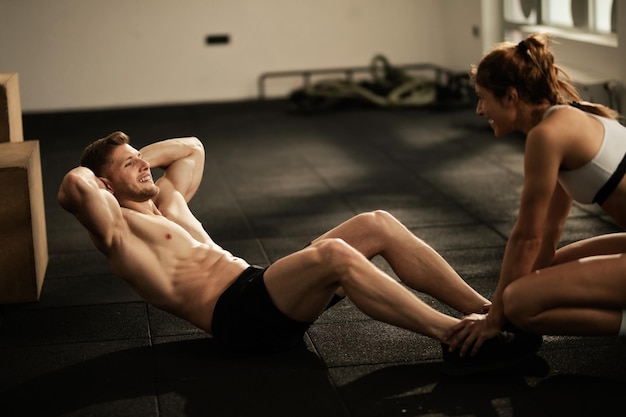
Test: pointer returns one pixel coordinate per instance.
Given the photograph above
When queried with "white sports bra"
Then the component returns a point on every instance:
(596, 180)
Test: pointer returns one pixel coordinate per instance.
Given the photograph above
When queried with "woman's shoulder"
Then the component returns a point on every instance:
(555, 121)
(559, 129)
(559, 112)
(555, 108)
(570, 134)
(564, 121)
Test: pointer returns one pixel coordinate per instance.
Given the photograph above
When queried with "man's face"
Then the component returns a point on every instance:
(128, 176)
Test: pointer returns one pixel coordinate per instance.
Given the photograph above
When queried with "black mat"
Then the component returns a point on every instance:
(272, 182)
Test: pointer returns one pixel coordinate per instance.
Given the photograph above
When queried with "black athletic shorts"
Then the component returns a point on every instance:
(245, 319)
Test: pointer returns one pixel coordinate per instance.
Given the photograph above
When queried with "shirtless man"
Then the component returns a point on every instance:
(153, 241)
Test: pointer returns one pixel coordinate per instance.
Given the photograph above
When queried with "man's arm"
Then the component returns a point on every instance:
(86, 197)
(183, 162)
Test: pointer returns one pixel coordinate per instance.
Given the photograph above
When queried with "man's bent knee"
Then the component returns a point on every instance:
(336, 254)
(377, 217)
(378, 222)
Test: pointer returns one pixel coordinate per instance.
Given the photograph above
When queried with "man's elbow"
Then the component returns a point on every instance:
(68, 185)
(196, 145)
(196, 148)
(73, 185)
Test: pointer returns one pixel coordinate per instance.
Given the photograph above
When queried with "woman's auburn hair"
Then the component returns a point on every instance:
(529, 68)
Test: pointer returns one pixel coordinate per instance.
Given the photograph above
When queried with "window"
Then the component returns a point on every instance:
(595, 20)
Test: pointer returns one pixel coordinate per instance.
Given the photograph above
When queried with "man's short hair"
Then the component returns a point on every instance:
(97, 154)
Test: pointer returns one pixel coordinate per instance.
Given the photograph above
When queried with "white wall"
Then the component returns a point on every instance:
(91, 54)
(461, 45)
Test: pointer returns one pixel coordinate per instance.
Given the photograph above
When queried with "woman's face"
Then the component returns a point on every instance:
(498, 112)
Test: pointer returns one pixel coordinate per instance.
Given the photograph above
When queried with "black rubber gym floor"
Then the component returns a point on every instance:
(273, 181)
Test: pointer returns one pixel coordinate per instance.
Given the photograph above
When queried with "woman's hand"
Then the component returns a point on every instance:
(470, 334)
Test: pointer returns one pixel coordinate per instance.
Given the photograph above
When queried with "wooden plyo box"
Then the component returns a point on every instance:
(23, 240)
(11, 129)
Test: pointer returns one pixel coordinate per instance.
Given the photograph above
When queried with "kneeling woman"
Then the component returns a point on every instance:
(573, 152)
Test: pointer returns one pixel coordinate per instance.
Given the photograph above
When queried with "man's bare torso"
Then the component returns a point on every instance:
(170, 269)
(145, 228)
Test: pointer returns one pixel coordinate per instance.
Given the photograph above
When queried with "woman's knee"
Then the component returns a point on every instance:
(517, 306)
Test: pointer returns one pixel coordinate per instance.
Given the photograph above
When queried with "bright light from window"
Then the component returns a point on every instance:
(602, 15)
(582, 15)
(557, 13)
(514, 11)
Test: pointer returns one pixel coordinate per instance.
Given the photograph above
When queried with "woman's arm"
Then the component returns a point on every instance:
(557, 215)
(544, 206)
(528, 246)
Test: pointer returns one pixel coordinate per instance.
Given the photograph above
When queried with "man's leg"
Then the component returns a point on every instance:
(415, 263)
(302, 284)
